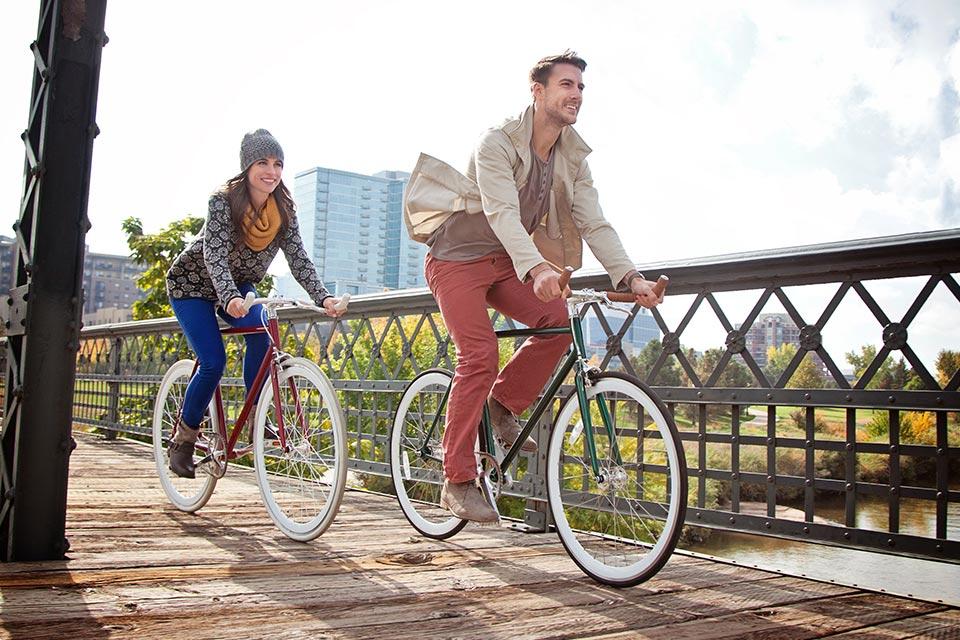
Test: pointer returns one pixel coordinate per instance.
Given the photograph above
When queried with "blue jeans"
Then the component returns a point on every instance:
(198, 319)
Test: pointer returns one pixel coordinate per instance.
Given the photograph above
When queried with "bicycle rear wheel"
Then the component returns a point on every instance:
(621, 527)
(416, 455)
(186, 494)
(302, 482)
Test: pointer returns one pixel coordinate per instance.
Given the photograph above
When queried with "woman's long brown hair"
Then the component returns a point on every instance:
(239, 198)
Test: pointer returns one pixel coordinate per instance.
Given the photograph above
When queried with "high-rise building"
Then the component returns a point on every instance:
(352, 227)
(109, 283)
(770, 330)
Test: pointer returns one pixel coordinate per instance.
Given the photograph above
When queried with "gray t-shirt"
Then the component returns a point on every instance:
(468, 236)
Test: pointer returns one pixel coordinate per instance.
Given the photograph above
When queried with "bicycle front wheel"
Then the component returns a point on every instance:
(620, 525)
(186, 494)
(416, 454)
(302, 481)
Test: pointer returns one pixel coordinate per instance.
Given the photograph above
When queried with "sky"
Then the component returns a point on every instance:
(716, 127)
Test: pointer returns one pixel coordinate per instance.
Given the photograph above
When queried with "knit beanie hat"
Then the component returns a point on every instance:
(257, 145)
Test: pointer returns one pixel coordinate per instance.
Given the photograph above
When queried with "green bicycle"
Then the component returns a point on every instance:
(616, 472)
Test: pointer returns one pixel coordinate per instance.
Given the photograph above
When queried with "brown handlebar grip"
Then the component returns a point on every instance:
(565, 277)
(661, 285)
(620, 296)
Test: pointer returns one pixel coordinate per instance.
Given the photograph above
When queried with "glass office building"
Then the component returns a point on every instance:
(352, 227)
(642, 330)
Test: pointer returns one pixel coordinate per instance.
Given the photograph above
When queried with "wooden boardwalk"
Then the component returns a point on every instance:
(140, 569)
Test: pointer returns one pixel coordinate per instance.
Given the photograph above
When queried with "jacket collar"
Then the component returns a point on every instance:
(569, 144)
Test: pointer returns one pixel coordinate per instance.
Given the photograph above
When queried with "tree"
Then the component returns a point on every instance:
(778, 359)
(669, 374)
(947, 364)
(808, 375)
(734, 374)
(157, 252)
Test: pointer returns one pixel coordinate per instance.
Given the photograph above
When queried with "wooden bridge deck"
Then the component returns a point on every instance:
(140, 569)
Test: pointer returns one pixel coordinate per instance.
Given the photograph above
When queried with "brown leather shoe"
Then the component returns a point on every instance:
(506, 427)
(180, 451)
(465, 500)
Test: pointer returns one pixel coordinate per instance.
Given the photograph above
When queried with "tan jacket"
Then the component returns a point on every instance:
(496, 172)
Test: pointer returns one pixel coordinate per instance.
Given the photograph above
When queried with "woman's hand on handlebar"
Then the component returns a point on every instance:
(235, 308)
(334, 307)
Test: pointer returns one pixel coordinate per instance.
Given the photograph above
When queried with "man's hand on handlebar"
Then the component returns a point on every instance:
(645, 293)
(546, 283)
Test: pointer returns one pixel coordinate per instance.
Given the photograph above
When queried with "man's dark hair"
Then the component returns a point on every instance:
(541, 71)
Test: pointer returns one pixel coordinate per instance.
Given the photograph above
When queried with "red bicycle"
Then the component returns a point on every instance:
(299, 439)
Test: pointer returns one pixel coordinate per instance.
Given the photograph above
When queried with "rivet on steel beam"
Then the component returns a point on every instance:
(893, 489)
(939, 547)
(770, 441)
(806, 396)
(846, 534)
(698, 515)
(941, 451)
(810, 444)
(940, 495)
(891, 399)
(732, 520)
(733, 438)
(849, 398)
(733, 396)
(893, 448)
(890, 542)
(849, 446)
(770, 479)
(767, 524)
(809, 483)
(849, 486)
(733, 476)
(806, 529)
(939, 400)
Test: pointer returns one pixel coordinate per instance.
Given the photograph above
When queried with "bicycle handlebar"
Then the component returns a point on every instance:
(251, 300)
(623, 296)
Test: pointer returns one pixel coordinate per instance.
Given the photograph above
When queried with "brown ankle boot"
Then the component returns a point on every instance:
(465, 500)
(180, 451)
(506, 427)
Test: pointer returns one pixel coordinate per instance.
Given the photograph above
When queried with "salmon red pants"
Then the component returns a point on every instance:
(463, 291)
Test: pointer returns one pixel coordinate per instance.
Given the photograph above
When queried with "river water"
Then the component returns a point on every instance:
(926, 579)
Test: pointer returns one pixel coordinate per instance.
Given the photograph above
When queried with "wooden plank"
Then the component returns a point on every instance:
(141, 569)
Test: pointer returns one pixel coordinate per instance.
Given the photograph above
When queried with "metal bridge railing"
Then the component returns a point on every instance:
(764, 456)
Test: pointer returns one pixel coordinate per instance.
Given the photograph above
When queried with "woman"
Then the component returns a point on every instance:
(249, 219)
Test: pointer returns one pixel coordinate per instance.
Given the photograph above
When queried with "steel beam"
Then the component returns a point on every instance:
(43, 325)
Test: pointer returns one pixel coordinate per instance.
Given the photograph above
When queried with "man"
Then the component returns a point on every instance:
(530, 179)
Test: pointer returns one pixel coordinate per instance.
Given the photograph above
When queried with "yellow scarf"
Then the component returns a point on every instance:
(261, 228)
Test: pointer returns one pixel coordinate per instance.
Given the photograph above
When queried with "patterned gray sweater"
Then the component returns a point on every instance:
(218, 259)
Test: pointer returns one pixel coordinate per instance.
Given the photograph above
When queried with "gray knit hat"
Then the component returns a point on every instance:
(257, 145)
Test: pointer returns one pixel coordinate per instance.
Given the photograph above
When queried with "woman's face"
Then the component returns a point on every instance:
(263, 176)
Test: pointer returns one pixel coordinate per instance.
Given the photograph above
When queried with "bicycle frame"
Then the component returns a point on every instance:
(574, 360)
(269, 366)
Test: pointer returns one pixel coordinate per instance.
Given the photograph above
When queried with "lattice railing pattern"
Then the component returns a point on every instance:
(763, 456)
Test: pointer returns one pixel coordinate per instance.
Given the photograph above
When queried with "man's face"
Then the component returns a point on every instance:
(560, 98)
